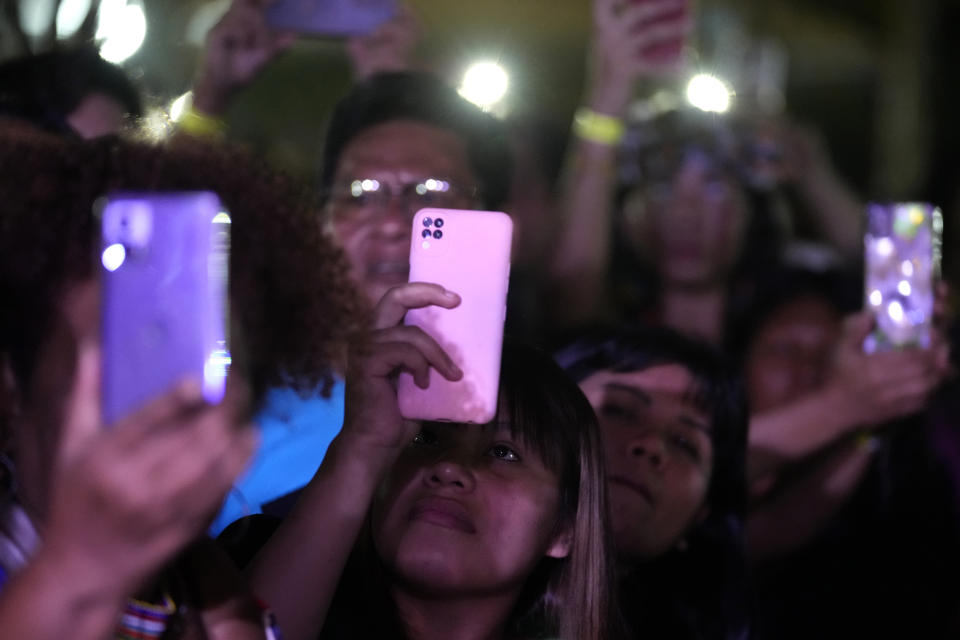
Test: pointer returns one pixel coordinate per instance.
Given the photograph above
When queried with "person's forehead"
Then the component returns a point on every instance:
(671, 382)
(671, 379)
(405, 146)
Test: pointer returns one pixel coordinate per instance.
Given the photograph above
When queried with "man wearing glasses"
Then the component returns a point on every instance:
(397, 143)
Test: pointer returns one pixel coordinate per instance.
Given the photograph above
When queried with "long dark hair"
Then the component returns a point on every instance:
(567, 597)
(703, 591)
(655, 151)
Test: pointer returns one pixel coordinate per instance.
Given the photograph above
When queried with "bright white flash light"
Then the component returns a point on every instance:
(179, 106)
(70, 16)
(895, 311)
(113, 256)
(122, 28)
(485, 84)
(709, 93)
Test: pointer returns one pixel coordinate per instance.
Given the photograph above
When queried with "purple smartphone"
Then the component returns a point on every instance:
(902, 249)
(330, 18)
(164, 312)
(467, 252)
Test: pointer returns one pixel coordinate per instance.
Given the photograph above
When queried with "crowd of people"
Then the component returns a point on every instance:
(691, 441)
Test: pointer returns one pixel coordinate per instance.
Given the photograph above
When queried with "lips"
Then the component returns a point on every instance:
(442, 512)
(637, 487)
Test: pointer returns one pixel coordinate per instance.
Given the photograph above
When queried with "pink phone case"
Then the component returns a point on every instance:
(467, 252)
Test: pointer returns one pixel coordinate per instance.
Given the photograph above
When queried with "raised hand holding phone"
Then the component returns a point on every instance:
(468, 252)
(372, 414)
(236, 50)
(633, 40)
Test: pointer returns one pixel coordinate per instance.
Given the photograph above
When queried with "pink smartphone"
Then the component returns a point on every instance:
(467, 252)
(902, 250)
(164, 312)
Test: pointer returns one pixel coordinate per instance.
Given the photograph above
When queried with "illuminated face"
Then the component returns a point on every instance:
(790, 354)
(692, 225)
(659, 456)
(397, 157)
(467, 509)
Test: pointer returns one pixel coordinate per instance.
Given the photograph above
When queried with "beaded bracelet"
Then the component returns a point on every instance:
(145, 620)
(597, 127)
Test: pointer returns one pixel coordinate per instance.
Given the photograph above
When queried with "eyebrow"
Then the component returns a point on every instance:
(635, 391)
(644, 397)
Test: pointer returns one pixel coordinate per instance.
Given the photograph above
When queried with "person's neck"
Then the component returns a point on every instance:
(454, 618)
(697, 311)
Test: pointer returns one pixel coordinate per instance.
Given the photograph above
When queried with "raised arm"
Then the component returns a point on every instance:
(623, 50)
(296, 576)
(124, 500)
(804, 503)
(238, 47)
(863, 391)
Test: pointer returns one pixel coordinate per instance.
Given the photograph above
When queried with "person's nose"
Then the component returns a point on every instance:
(650, 448)
(394, 220)
(450, 473)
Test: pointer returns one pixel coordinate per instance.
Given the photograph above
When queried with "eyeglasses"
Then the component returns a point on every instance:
(365, 199)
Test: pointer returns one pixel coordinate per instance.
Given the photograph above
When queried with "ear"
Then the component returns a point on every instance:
(561, 544)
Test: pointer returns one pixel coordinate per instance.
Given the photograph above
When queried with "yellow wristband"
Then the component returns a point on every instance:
(597, 127)
(201, 125)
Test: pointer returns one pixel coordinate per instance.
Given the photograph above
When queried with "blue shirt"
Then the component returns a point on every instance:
(294, 435)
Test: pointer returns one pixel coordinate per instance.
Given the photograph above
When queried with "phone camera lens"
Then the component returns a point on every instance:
(427, 222)
(426, 233)
(438, 234)
(438, 222)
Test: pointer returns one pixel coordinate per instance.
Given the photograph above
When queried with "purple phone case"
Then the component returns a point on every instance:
(330, 18)
(164, 272)
(902, 262)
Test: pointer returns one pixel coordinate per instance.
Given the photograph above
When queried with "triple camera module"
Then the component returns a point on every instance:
(430, 222)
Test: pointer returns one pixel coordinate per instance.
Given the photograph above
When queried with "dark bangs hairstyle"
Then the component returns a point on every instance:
(564, 597)
(292, 305)
(703, 591)
(426, 98)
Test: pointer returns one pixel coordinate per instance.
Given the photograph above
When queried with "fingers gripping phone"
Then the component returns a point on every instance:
(669, 50)
(164, 312)
(467, 252)
(902, 251)
(330, 18)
